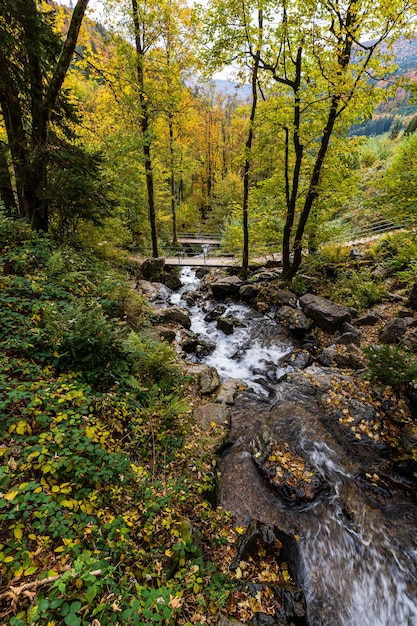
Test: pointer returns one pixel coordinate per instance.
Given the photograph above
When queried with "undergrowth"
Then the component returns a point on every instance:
(102, 479)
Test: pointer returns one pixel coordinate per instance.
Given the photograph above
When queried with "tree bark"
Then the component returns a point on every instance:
(172, 182)
(29, 150)
(6, 188)
(145, 125)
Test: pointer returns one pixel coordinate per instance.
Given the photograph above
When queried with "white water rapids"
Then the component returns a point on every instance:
(358, 570)
(235, 355)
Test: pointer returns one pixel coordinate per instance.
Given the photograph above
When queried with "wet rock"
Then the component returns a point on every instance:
(208, 380)
(215, 313)
(153, 291)
(226, 325)
(248, 293)
(201, 272)
(295, 481)
(299, 359)
(229, 286)
(229, 390)
(393, 331)
(178, 315)
(165, 333)
(355, 423)
(267, 546)
(326, 314)
(152, 268)
(412, 298)
(369, 319)
(171, 280)
(191, 297)
(194, 344)
(295, 320)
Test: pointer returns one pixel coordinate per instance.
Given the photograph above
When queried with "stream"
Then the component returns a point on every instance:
(359, 558)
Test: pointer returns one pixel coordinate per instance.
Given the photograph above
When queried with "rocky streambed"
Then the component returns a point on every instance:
(313, 458)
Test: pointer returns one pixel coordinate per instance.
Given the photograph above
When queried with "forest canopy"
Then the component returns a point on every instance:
(122, 123)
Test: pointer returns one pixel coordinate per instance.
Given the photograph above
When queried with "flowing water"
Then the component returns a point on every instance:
(359, 560)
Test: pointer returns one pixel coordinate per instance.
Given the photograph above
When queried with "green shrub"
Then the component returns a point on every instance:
(358, 289)
(84, 339)
(392, 365)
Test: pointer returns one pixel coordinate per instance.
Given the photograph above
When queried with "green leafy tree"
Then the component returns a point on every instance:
(399, 183)
(318, 68)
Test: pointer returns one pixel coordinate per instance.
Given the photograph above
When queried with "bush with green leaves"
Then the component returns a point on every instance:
(94, 476)
(392, 365)
(357, 288)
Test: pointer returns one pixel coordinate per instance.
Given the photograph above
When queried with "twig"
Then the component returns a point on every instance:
(16, 591)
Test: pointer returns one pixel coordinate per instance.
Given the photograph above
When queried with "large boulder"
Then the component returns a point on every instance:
(267, 550)
(393, 331)
(225, 324)
(229, 390)
(178, 315)
(171, 280)
(208, 380)
(227, 286)
(326, 314)
(209, 414)
(152, 268)
(248, 293)
(298, 324)
(153, 291)
(295, 481)
(195, 344)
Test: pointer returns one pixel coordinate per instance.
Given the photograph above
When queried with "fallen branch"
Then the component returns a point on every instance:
(14, 592)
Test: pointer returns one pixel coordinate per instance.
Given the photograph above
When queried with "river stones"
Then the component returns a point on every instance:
(227, 286)
(248, 293)
(393, 331)
(295, 481)
(326, 314)
(153, 291)
(225, 324)
(152, 268)
(178, 315)
(269, 565)
(214, 420)
(208, 380)
(194, 344)
(298, 323)
(229, 390)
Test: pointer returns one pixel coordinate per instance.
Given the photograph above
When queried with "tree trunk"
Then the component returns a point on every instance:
(292, 190)
(6, 188)
(145, 125)
(29, 149)
(172, 182)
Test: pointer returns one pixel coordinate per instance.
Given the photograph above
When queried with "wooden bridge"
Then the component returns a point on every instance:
(177, 256)
(201, 240)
